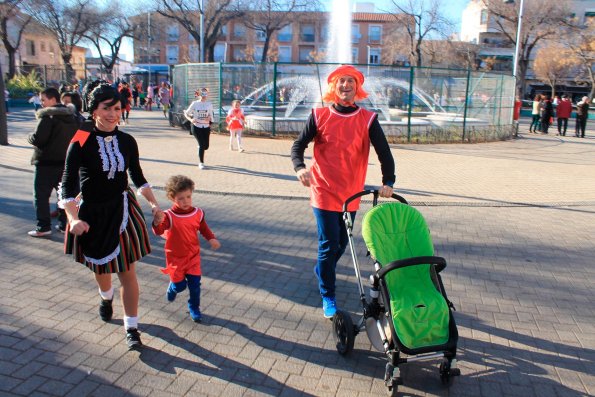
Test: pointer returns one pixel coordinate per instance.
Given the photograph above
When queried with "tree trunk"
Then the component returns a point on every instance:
(11, 64)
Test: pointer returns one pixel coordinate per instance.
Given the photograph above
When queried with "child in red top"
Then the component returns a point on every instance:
(235, 124)
(180, 226)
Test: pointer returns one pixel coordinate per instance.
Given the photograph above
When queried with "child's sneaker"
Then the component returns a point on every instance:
(171, 293)
(329, 307)
(133, 339)
(195, 315)
(241, 150)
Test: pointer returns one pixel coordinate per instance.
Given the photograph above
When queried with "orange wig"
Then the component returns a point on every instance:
(344, 70)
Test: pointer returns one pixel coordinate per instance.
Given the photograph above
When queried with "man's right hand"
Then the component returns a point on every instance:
(304, 177)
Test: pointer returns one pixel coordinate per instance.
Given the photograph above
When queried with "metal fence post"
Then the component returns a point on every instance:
(274, 98)
(410, 100)
(466, 103)
(220, 124)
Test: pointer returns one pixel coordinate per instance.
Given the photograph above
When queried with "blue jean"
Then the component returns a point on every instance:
(193, 283)
(332, 241)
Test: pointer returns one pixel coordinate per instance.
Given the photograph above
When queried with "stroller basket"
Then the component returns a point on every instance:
(409, 311)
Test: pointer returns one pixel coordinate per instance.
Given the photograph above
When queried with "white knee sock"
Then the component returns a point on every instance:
(130, 322)
(239, 135)
(107, 295)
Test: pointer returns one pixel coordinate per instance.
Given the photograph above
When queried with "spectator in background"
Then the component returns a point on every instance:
(582, 113)
(6, 100)
(164, 97)
(51, 137)
(535, 114)
(36, 101)
(74, 99)
(547, 113)
(563, 111)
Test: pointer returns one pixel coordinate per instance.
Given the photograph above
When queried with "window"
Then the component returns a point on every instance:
(354, 55)
(484, 17)
(30, 45)
(172, 33)
(285, 34)
(324, 32)
(223, 33)
(172, 54)
(307, 33)
(238, 53)
(355, 34)
(260, 35)
(284, 54)
(219, 53)
(258, 53)
(374, 56)
(306, 53)
(239, 31)
(375, 34)
(42, 46)
(193, 54)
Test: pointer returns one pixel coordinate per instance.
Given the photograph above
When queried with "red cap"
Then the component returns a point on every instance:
(349, 71)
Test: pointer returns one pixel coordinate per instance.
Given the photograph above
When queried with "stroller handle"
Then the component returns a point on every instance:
(376, 193)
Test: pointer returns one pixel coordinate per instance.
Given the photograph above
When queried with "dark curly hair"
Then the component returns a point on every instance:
(103, 92)
(177, 184)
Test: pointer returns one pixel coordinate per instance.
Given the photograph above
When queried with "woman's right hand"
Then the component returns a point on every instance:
(78, 227)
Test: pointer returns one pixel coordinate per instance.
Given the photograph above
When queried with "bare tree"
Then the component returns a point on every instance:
(553, 63)
(270, 16)
(582, 44)
(107, 35)
(10, 16)
(217, 13)
(541, 20)
(67, 21)
(426, 19)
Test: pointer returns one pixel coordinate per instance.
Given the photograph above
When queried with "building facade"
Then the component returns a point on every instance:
(302, 41)
(479, 26)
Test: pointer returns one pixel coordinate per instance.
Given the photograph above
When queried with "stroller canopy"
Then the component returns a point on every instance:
(420, 314)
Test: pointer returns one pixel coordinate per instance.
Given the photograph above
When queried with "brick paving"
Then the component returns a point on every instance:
(513, 219)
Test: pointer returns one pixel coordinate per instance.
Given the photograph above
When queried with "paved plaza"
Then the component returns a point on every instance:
(515, 221)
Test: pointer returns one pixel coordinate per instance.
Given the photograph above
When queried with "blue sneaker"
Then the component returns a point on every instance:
(329, 307)
(195, 314)
(171, 293)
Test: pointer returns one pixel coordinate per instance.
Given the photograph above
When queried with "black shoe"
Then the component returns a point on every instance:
(105, 310)
(133, 339)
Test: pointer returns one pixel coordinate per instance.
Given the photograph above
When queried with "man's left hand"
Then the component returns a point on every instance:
(385, 191)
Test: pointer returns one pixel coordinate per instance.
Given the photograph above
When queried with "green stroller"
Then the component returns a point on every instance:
(408, 311)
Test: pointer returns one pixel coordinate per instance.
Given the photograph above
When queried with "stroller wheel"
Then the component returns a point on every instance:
(446, 372)
(344, 332)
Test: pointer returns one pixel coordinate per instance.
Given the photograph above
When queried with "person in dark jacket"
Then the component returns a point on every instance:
(56, 127)
(547, 112)
(582, 113)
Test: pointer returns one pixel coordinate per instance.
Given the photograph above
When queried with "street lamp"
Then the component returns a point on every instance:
(202, 33)
(517, 46)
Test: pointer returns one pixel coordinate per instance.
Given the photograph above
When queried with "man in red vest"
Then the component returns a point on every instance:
(342, 134)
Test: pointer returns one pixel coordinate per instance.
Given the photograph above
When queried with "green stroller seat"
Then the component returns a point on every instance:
(418, 306)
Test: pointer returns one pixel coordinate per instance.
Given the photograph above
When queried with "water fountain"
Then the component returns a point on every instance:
(304, 92)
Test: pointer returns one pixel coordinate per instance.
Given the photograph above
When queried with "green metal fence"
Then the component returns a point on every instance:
(414, 104)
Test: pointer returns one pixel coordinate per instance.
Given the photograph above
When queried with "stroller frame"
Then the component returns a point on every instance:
(376, 312)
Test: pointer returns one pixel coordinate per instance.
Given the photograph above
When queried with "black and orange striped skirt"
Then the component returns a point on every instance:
(117, 236)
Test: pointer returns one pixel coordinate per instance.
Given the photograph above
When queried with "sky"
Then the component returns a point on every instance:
(453, 9)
